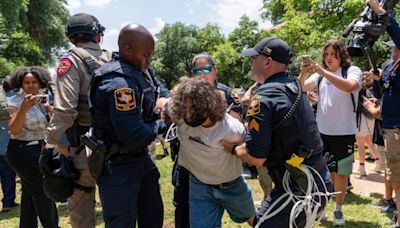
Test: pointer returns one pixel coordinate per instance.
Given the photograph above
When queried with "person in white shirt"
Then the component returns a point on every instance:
(216, 184)
(336, 116)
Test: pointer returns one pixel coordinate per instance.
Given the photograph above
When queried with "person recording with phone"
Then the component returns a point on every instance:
(335, 81)
(387, 83)
(27, 126)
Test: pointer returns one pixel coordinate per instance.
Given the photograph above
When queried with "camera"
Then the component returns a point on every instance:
(367, 29)
(42, 99)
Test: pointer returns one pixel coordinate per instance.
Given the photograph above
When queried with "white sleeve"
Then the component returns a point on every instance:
(314, 78)
(234, 130)
(355, 73)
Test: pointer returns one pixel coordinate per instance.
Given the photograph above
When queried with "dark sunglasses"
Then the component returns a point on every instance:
(205, 70)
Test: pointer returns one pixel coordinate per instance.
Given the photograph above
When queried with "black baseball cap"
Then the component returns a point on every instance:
(275, 48)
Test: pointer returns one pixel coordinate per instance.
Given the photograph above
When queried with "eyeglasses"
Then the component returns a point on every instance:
(205, 70)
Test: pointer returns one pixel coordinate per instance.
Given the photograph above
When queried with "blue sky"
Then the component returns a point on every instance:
(154, 14)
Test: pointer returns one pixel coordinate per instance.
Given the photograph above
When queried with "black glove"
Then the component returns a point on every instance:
(174, 146)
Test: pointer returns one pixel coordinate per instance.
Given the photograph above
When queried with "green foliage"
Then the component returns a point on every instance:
(176, 46)
(31, 32)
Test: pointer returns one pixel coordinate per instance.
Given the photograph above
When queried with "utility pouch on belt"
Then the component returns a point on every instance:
(95, 152)
(73, 135)
(297, 172)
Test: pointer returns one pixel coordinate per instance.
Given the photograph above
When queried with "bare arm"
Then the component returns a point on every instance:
(17, 120)
(346, 85)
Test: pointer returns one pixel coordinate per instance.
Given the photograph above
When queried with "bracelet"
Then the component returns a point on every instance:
(233, 152)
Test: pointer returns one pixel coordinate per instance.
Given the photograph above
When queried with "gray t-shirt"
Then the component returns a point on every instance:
(201, 153)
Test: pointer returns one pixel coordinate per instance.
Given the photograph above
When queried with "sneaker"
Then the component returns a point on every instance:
(377, 168)
(7, 209)
(338, 219)
(361, 171)
(382, 203)
(390, 208)
(394, 220)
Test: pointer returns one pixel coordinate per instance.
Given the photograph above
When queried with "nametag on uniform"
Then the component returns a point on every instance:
(124, 99)
(254, 107)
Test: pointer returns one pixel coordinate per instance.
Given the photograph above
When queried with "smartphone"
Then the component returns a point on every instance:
(306, 60)
(42, 98)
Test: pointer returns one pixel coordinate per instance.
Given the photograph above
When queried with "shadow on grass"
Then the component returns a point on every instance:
(355, 224)
(352, 198)
(13, 213)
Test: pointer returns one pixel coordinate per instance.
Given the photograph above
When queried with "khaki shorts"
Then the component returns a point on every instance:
(392, 150)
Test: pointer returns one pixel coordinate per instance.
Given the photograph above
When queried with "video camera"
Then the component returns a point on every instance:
(367, 29)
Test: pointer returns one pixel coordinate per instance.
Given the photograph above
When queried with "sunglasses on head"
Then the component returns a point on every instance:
(205, 70)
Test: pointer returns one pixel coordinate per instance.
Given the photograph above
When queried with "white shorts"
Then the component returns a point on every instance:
(366, 127)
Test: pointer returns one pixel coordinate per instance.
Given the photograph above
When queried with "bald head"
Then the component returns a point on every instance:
(136, 45)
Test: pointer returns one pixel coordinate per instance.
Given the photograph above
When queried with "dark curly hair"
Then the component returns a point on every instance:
(341, 53)
(205, 100)
(41, 73)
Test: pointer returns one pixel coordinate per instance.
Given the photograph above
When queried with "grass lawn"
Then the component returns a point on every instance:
(357, 210)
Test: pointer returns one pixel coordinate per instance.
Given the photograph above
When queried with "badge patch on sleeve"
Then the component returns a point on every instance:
(254, 125)
(236, 97)
(63, 66)
(124, 99)
(254, 107)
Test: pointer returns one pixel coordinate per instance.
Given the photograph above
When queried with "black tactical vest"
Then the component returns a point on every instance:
(148, 94)
(300, 129)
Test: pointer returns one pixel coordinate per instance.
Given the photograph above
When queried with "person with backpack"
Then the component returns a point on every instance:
(71, 117)
(338, 83)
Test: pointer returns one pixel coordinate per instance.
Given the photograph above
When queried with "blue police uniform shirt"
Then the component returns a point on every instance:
(391, 101)
(120, 97)
(264, 111)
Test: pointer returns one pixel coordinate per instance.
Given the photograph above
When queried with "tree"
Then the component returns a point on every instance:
(176, 45)
(27, 36)
(310, 24)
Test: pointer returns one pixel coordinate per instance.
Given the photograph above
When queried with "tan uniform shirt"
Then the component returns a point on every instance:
(70, 87)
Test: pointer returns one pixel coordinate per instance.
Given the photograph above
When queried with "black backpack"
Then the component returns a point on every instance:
(358, 108)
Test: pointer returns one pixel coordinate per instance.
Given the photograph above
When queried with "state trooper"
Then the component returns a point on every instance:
(124, 103)
(281, 127)
(71, 116)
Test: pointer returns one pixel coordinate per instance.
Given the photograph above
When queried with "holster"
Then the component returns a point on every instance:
(96, 155)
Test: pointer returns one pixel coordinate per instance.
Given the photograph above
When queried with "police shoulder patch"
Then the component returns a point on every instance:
(254, 107)
(236, 97)
(124, 99)
(63, 66)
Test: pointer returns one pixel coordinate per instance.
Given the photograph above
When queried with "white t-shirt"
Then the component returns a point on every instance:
(335, 115)
(201, 153)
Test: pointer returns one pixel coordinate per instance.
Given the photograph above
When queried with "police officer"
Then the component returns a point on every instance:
(275, 132)
(71, 116)
(204, 67)
(123, 98)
